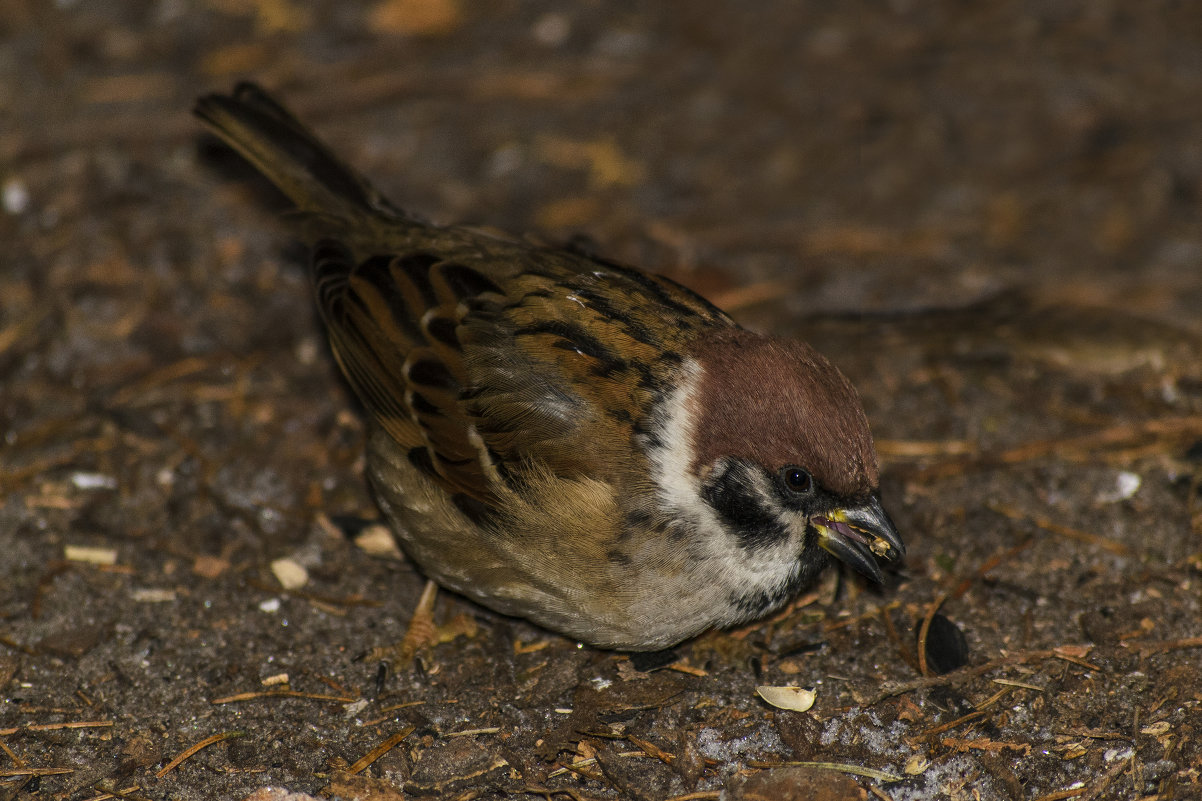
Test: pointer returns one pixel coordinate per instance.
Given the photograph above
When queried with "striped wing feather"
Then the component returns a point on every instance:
(498, 357)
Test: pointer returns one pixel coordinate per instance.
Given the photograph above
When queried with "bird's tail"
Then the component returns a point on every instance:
(267, 135)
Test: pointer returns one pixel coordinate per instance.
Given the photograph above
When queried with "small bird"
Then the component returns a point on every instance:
(567, 439)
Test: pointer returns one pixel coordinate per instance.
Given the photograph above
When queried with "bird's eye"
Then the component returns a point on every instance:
(796, 479)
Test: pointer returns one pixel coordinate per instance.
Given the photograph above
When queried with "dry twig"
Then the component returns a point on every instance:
(188, 752)
(1151, 648)
(380, 750)
(35, 771)
(1118, 439)
(838, 767)
(967, 674)
(1065, 531)
(549, 793)
(252, 696)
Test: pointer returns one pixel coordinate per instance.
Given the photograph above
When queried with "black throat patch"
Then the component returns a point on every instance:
(735, 496)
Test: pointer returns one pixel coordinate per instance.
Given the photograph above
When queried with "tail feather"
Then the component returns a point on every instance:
(267, 135)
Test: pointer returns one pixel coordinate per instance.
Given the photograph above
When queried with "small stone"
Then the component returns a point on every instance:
(377, 540)
(73, 643)
(1126, 484)
(290, 573)
(15, 196)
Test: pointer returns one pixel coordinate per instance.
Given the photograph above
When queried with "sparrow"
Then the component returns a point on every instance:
(563, 438)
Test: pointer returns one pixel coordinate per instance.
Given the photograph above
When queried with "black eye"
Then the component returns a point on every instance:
(796, 479)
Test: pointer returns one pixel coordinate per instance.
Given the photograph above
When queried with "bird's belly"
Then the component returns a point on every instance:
(644, 599)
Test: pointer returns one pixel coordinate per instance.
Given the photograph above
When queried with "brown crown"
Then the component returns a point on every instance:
(779, 402)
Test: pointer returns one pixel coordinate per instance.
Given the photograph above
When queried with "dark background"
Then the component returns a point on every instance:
(987, 214)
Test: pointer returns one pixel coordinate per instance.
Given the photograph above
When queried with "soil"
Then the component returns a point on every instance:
(987, 214)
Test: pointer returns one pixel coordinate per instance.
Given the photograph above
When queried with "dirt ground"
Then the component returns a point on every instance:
(987, 214)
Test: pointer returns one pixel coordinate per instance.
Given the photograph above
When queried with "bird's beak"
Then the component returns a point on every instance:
(858, 536)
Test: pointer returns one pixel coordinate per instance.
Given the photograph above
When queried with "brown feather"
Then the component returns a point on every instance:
(510, 343)
(818, 424)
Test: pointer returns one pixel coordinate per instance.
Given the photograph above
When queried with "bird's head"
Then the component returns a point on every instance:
(770, 455)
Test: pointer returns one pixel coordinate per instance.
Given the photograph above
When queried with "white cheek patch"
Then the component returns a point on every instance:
(672, 456)
(720, 563)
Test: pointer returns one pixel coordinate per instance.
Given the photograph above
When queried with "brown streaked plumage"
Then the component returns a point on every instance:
(567, 439)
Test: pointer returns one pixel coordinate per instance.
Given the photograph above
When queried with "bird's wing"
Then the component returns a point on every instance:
(494, 358)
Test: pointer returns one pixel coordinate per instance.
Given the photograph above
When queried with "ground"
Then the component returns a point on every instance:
(987, 214)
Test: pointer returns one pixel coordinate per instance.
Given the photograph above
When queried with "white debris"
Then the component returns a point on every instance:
(151, 595)
(377, 540)
(15, 196)
(91, 555)
(290, 573)
(798, 699)
(88, 481)
(1126, 484)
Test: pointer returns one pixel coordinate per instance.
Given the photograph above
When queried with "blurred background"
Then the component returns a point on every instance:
(874, 155)
(987, 214)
